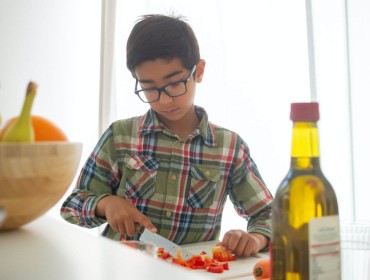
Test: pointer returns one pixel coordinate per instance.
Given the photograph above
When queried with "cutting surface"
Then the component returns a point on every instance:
(238, 268)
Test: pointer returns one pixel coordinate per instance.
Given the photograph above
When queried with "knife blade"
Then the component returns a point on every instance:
(161, 242)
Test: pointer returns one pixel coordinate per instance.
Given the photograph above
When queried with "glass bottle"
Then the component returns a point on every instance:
(305, 241)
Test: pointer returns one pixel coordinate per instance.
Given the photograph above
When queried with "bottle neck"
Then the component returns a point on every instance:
(305, 145)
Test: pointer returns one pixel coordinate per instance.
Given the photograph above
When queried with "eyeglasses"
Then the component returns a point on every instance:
(175, 89)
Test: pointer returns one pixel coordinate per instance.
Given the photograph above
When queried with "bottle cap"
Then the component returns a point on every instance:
(304, 112)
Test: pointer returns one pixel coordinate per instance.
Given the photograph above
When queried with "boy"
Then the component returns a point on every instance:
(170, 170)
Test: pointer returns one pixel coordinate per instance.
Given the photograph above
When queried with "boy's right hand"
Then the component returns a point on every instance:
(121, 215)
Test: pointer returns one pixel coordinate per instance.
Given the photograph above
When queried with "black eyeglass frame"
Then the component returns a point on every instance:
(185, 81)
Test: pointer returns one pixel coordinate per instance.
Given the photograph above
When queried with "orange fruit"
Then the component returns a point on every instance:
(45, 130)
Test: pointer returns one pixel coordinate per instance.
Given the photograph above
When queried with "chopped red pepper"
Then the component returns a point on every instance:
(216, 269)
(217, 264)
(198, 260)
(221, 254)
(165, 255)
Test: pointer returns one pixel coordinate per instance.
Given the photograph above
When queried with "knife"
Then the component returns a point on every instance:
(161, 242)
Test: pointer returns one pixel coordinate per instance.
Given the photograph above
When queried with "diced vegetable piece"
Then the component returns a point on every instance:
(216, 269)
(221, 254)
(261, 269)
(201, 261)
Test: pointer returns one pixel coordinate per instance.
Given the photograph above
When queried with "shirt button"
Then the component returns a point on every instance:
(168, 214)
(207, 173)
(173, 177)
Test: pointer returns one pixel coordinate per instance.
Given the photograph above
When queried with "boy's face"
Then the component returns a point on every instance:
(161, 72)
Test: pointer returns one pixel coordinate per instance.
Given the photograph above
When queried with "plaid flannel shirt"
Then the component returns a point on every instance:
(181, 185)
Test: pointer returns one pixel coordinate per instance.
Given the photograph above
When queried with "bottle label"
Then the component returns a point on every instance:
(324, 248)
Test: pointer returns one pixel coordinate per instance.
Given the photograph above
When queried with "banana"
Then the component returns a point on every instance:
(22, 129)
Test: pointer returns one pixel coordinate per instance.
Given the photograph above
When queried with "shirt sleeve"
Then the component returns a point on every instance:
(249, 194)
(98, 178)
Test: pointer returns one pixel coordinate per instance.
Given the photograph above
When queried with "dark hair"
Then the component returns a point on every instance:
(160, 36)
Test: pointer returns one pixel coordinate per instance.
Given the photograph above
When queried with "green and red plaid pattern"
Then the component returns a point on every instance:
(180, 184)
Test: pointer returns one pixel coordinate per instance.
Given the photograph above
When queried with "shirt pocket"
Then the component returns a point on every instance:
(203, 184)
(139, 177)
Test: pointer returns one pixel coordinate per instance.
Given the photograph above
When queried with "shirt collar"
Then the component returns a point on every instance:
(149, 123)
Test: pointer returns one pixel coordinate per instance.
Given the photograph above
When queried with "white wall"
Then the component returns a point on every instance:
(359, 55)
(343, 71)
(257, 64)
(57, 42)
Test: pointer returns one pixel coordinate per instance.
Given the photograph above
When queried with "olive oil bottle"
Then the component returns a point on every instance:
(305, 242)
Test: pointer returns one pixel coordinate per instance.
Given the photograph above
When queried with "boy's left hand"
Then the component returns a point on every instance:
(242, 243)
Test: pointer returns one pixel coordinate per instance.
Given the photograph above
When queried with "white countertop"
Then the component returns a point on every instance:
(53, 250)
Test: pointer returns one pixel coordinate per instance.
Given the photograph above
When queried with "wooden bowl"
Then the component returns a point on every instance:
(34, 177)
